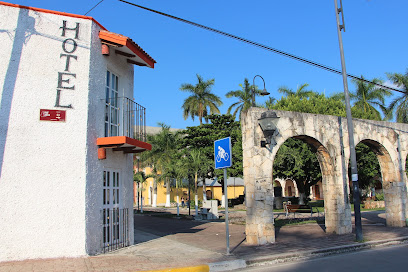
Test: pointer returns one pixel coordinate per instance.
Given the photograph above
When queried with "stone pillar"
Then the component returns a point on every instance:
(259, 196)
(395, 196)
(260, 227)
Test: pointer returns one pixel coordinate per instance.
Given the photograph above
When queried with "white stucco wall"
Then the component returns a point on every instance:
(117, 161)
(50, 175)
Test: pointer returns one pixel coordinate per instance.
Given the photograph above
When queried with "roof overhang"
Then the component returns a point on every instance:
(123, 143)
(124, 46)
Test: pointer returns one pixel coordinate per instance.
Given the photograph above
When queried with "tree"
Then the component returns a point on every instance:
(297, 160)
(316, 103)
(300, 92)
(202, 138)
(245, 98)
(202, 102)
(161, 157)
(400, 104)
(195, 166)
(368, 167)
(270, 102)
(368, 95)
(140, 178)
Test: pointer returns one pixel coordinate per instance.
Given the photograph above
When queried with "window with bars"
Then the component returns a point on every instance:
(112, 216)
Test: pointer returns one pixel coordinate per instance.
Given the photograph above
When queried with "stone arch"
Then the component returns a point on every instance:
(394, 207)
(290, 188)
(335, 192)
(337, 212)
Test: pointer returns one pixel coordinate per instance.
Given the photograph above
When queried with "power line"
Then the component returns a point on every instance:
(280, 52)
(93, 7)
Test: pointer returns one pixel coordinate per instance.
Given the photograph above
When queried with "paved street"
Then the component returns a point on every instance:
(162, 242)
(382, 259)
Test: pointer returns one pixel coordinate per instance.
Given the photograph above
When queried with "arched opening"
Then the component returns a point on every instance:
(385, 174)
(297, 164)
(303, 161)
(369, 172)
(290, 190)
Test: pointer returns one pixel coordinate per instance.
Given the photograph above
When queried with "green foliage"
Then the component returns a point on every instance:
(202, 138)
(306, 164)
(368, 166)
(316, 103)
(245, 98)
(297, 160)
(300, 92)
(202, 101)
(140, 177)
(367, 96)
(400, 104)
(379, 197)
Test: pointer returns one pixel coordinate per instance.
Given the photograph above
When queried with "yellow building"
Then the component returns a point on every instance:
(213, 190)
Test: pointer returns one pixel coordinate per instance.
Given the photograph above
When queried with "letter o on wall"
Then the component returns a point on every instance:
(72, 42)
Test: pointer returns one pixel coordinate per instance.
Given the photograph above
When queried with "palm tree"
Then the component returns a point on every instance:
(202, 102)
(161, 157)
(195, 165)
(300, 92)
(140, 178)
(368, 95)
(400, 104)
(245, 98)
(270, 102)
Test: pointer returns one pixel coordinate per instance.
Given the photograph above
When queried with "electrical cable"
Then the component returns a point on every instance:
(93, 7)
(310, 62)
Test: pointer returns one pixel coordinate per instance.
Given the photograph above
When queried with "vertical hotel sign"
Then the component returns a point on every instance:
(66, 79)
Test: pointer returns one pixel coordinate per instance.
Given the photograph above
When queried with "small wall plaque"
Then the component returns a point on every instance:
(52, 115)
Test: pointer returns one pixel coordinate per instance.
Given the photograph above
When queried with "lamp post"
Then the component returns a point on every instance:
(264, 92)
(268, 123)
(350, 128)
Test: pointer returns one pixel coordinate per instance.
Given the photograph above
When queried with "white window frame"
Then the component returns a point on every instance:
(112, 109)
(111, 205)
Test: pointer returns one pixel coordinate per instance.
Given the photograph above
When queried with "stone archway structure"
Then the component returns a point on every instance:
(328, 135)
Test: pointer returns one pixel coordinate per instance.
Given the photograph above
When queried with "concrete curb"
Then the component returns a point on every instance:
(284, 258)
(227, 265)
(305, 255)
(211, 267)
(199, 268)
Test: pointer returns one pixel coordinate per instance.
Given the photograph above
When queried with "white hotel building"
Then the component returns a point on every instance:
(68, 128)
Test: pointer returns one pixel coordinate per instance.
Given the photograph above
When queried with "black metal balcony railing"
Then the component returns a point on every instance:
(124, 117)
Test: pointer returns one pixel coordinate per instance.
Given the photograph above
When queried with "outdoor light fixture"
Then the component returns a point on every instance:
(264, 92)
(268, 123)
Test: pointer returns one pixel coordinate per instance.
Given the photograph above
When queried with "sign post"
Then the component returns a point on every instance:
(223, 160)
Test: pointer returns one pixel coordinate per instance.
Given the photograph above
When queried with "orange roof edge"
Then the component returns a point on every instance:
(53, 12)
(138, 51)
(122, 140)
(126, 41)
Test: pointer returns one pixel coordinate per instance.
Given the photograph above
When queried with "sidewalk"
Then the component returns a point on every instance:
(167, 242)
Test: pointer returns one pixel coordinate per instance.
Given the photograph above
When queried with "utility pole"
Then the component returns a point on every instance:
(350, 128)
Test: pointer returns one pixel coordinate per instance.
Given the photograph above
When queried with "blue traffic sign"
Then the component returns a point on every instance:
(222, 153)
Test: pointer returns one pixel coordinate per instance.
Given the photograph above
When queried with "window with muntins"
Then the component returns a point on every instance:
(111, 223)
(111, 105)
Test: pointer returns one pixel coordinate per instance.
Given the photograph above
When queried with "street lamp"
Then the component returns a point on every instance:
(268, 123)
(350, 128)
(264, 92)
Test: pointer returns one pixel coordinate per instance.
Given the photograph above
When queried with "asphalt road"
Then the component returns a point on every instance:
(384, 259)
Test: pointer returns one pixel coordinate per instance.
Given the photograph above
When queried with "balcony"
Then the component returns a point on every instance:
(125, 127)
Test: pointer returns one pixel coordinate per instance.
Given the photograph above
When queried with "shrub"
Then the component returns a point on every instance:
(379, 197)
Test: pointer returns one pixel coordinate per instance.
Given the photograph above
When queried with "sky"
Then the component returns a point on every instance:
(375, 42)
